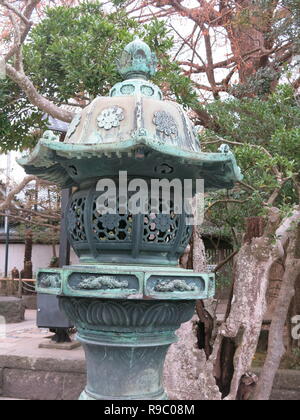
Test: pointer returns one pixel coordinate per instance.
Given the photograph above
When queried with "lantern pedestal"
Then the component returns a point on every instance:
(126, 318)
(126, 362)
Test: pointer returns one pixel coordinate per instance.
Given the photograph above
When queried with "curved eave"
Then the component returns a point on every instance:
(45, 160)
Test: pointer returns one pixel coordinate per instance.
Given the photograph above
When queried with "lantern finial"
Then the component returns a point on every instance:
(137, 61)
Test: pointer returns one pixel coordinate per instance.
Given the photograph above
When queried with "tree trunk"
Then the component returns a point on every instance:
(235, 344)
(250, 33)
(276, 347)
(242, 328)
(27, 272)
(294, 311)
(198, 255)
(188, 370)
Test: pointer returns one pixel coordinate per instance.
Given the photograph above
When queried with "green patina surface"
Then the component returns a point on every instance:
(55, 162)
(137, 60)
(104, 281)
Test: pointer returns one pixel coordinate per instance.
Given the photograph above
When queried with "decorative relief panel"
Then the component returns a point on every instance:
(110, 117)
(103, 282)
(49, 281)
(94, 314)
(165, 286)
(176, 285)
(165, 123)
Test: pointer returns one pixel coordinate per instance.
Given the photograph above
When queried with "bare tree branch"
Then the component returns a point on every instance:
(16, 11)
(275, 170)
(10, 197)
(224, 262)
(226, 201)
(16, 73)
(33, 222)
(36, 98)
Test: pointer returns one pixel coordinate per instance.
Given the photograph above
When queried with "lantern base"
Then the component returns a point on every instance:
(126, 318)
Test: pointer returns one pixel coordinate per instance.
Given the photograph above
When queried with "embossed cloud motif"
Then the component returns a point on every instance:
(163, 222)
(107, 282)
(110, 117)
(110, 221)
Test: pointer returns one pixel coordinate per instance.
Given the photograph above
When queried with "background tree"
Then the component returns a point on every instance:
(259, 117)
(34, 212)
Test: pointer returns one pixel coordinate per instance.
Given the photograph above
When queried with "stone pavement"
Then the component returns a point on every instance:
(24, 338)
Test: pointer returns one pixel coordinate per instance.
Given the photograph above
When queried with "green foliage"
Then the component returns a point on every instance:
(287, 25)
(72, 52)
(282, 28)
(19, 119)
(269, 135)
(169, 75)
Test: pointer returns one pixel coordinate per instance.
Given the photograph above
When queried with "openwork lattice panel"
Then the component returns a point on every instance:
(160, 227)
(75, 220)
(111, 227)
(187, 233)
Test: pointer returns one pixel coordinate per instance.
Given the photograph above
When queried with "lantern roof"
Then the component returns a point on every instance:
(132, 129)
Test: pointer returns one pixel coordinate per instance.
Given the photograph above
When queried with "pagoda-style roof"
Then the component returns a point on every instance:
(134, 130)
(70, 164)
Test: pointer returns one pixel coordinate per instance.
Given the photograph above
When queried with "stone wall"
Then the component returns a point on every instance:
(12, 309)
(41, 379)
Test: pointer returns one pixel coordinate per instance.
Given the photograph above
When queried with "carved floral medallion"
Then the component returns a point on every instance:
(110, 117)
(165, 123)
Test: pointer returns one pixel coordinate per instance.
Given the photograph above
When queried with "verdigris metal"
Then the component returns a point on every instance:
(125, 238)
(127, 297)
(126, 319)
(137, 61)
(99, 283)
(126, 343)
(129, 282)
(165, 123)
(110, 117)
(50, 281)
